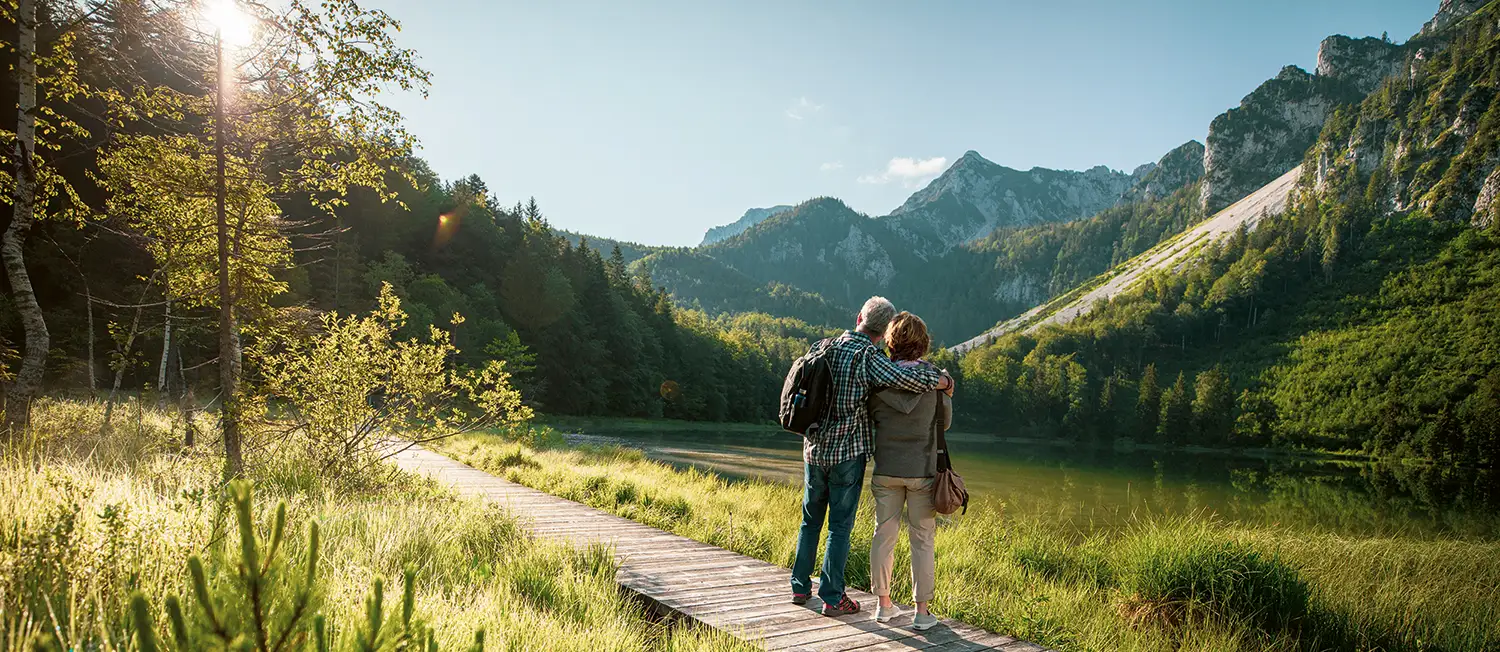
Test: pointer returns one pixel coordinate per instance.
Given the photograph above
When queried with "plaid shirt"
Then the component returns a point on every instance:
(859, 367)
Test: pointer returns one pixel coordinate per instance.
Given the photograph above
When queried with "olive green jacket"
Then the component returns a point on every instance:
(905, 441)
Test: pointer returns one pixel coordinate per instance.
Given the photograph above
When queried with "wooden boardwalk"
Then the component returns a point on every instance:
(746, 597)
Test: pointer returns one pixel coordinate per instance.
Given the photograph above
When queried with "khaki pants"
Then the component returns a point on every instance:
(921, 528)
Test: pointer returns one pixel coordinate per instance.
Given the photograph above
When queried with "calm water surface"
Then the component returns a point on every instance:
(1108, 489)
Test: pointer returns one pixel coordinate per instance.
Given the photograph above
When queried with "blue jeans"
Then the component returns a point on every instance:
(834, 491)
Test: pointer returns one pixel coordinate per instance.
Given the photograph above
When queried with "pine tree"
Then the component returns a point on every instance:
(1105, 422)
(272, 603)
(616, 268)
(1444, 441)
(1213, 407)
(1484, 426)
(1148, 405)
(533, 214)
(1176, 413)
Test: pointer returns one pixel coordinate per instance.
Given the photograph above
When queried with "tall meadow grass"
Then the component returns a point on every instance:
(1159, 584)
(89, 515)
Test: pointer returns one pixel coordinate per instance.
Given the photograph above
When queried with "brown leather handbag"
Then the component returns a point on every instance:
(948, 492)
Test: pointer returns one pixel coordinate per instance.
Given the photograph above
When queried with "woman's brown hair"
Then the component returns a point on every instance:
(907, 337)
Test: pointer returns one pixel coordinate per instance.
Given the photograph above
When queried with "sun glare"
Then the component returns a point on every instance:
(233, 25)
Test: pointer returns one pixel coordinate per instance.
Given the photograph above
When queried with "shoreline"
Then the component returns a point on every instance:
(582, 425)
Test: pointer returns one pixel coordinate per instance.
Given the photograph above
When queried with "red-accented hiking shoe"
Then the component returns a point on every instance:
(845, 607)
(800, 598)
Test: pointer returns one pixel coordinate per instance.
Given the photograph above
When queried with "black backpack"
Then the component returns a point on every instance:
(808, 392)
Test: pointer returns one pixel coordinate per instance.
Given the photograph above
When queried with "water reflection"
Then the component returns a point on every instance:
(1100, 488)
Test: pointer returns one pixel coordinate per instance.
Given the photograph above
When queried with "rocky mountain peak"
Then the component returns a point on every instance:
(1292, 73)
(975, 196)
(751, 218)
(1271, 129)
(1178, 168)
(1449, 12)
(1360, 62)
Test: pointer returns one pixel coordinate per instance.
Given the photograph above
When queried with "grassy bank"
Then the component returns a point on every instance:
(1190, 584)
(86, 518)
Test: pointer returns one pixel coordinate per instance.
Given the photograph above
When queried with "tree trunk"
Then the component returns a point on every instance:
(135, 329)
(187, 402)
(89, 310)
(229, 368)
(166, 355)
(34, 358)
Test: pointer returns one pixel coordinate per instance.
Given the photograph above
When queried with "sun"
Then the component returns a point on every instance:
(233, 26)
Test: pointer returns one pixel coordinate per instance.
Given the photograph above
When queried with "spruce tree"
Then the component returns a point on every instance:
(1176, 413)
(1484, 426)
(1148, 406)
(1105, 422)
(616, 268)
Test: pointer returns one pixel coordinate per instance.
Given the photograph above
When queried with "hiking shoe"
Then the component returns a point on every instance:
(845, 607)
(885, 614)
(924, 622)
(799, 598)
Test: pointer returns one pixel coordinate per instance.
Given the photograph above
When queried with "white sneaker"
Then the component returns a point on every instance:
(923, 622)
(885, 614)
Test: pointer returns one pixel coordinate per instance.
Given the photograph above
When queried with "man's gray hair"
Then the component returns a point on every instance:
(876, 314)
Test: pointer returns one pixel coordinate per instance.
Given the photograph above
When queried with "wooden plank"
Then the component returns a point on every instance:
(654, 544)
(720, 563)
(848, 636)
(565, 527)
(758, 594)
(740, 595)
(677, 589)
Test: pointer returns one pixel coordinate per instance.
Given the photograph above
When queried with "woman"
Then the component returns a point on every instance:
(906, 451)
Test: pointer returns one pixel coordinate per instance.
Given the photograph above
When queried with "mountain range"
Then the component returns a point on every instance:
(824, 250)
(1019, 238)
(751, 218)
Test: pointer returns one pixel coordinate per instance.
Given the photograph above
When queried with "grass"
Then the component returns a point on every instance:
(615, 425)
(1171, 584)
(88, 517)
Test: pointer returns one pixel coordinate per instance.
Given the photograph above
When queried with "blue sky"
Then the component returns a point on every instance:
(654, 121)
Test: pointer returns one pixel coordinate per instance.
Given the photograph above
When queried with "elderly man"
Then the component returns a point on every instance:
(834, 468)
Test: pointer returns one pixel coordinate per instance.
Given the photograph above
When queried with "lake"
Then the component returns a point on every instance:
(1094, 488)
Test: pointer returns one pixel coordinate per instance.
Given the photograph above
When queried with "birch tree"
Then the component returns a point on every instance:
(287, 113)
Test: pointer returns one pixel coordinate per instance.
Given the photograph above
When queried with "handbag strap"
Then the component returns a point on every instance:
(943, 463)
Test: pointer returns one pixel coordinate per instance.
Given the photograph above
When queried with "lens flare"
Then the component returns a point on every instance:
(234, 27)
(447, 226)
(670, 390)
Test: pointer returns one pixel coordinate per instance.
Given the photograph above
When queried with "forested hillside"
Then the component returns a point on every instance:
(585, 335)
(122, 281)
(719, 289)
(630, 250)
(1363, 318)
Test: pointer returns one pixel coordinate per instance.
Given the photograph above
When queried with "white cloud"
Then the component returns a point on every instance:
(908, 171)
(831, 166)
(802, 108)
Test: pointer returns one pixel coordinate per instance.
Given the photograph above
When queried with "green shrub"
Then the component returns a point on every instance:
(1170, 572)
